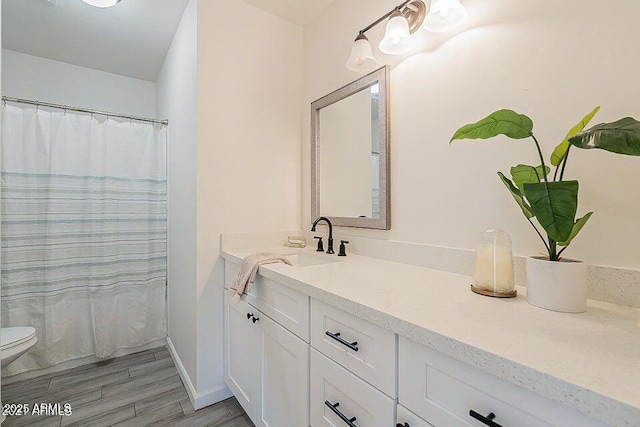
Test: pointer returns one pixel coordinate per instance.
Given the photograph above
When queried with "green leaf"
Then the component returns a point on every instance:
(621, 137)
(555, 205)
(525, 174)
(576, 229)
(561, 150)
(502, 122)
(517, 195)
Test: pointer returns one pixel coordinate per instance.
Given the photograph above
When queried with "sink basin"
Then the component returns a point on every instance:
(306, 260)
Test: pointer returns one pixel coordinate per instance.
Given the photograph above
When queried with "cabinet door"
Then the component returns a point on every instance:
(284, 377)
(241, 353)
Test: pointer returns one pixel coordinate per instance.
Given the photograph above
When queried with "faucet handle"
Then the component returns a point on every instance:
(320, 246)
(342, 251)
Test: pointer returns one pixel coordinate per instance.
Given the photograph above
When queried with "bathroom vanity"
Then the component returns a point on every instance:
(370, 343)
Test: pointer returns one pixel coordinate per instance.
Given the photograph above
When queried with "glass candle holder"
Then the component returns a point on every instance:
(493, 274)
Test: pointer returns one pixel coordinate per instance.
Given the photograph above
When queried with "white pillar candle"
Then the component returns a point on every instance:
(494, 268)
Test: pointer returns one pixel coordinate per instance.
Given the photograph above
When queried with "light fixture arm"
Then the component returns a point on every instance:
(382, 18)
(419, 3)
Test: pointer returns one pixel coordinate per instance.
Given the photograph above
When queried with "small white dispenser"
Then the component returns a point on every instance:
(494, 266)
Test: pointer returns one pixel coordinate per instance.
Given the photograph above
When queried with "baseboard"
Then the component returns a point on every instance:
(198, 400)
(211, 396)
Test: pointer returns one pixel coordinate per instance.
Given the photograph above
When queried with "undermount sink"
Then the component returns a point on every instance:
(306, 260)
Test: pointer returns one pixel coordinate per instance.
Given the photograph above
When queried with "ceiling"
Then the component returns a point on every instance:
(130, 39)
(299, 12)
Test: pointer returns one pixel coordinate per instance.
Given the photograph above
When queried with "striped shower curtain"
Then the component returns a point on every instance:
(83, 234)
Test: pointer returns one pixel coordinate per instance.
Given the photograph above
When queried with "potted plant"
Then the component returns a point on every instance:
(554, 282)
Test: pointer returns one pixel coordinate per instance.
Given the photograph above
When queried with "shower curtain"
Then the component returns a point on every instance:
(83, 233)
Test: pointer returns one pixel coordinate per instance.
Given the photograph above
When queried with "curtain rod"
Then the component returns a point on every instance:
(6, 99)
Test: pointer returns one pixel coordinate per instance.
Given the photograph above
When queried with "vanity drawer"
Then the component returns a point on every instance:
(332, 384)
(286, 306)
(367, 350)
(406, 418)
(443, 391)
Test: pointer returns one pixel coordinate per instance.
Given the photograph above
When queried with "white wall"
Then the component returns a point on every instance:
(249, 118)
(553, 61)
(238, 169)
(41, 79)
(176, 100)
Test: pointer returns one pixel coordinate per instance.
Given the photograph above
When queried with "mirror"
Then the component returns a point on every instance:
(350, 154)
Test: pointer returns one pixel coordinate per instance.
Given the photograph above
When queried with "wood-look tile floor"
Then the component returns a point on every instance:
(141, 389)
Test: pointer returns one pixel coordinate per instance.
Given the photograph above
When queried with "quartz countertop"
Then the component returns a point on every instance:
(588, 361)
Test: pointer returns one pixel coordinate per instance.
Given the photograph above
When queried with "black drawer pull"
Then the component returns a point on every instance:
(343, 417)
(336, 336)
(249, 315)
(255, 319)
(403, 425)
(488, 420)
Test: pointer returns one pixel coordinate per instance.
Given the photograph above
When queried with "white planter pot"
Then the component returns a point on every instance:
(557, 285)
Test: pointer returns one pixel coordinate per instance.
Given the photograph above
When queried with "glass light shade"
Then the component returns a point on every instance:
(397, 38)
(102, 3)
(444, 15)
(493, 274)
(361, 58)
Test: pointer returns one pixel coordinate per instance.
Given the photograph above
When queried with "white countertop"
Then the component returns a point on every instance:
(589, 361)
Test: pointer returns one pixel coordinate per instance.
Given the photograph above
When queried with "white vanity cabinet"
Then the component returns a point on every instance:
(266, 366)
(294, 361)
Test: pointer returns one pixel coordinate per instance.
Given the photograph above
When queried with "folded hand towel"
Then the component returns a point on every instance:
(248, 270)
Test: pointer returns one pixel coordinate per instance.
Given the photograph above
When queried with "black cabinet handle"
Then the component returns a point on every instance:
(336, 336)
(488, 420)
(249, 315)
(255, 319)
(343, 417)
(403, 425)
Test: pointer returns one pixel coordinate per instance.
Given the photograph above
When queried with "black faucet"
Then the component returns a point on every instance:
(330, 240)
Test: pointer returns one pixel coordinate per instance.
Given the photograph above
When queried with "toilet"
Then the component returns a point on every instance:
(14, 342)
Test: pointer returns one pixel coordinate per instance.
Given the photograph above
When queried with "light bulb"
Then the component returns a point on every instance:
(397, 38)
(444, 15)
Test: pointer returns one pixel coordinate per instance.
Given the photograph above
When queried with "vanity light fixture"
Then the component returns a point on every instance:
(102, 3)
(404, 20)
